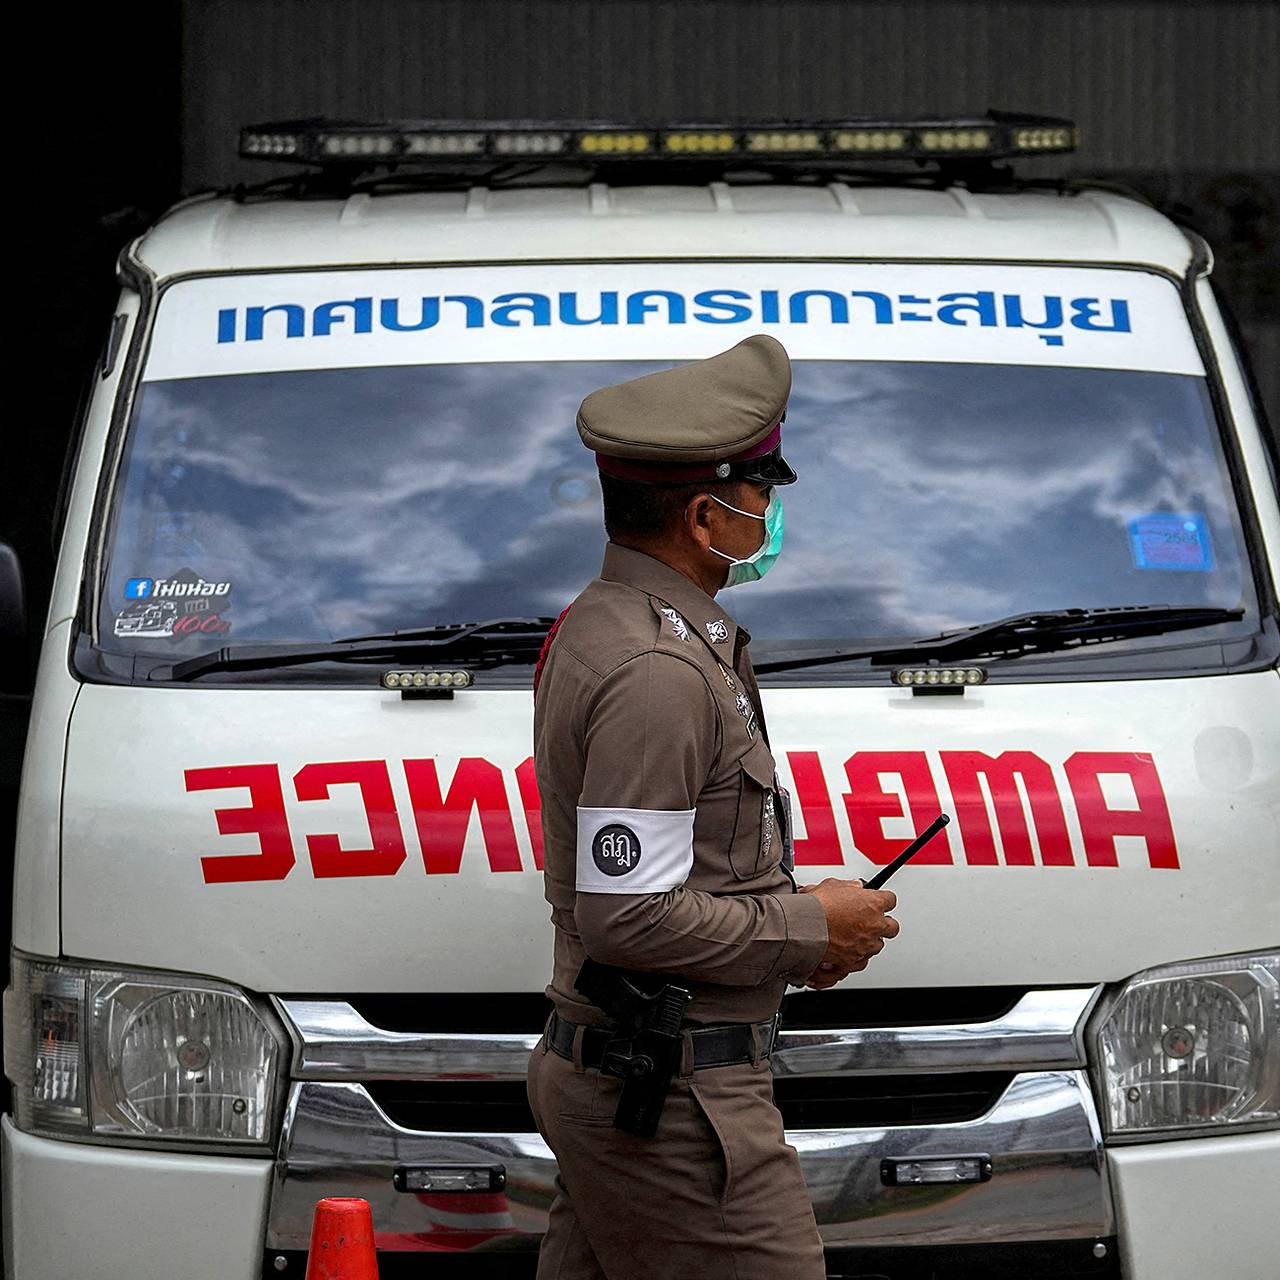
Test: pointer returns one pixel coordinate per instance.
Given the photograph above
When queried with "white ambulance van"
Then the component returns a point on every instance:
(279, 930)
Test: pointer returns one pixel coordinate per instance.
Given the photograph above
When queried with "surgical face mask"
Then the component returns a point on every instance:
(756, 565)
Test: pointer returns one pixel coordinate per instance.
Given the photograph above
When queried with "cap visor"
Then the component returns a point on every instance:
(769, 468)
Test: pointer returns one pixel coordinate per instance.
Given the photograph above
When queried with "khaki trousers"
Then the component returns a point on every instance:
(716, 1194)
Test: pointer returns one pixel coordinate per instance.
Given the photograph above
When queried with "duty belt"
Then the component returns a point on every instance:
(722, 1046)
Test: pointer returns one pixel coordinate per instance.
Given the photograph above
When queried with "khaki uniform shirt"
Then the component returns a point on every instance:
(662, 828)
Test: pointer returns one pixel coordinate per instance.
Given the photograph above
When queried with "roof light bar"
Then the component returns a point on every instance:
(343, 143)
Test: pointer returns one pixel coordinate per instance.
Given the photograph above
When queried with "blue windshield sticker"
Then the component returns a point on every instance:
(1167, 540)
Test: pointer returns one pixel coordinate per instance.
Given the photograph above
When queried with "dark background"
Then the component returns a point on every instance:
(141, 104)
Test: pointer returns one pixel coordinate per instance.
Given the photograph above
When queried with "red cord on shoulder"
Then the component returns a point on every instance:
(546, 647)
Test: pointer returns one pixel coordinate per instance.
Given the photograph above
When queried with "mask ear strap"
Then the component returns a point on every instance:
(751, 514)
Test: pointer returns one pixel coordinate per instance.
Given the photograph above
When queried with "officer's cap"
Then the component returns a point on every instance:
(714, 419)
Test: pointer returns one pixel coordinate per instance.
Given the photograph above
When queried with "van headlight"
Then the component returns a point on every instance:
(1190, 1048)
(131, 1056)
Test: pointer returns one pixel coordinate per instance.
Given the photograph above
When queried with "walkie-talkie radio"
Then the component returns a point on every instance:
(877, 880)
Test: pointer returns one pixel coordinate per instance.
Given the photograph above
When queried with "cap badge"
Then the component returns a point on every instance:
(718, 631)
(722, 471)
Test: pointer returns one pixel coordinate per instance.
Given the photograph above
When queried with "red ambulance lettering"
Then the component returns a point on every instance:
(531, 802)
(264, 817)
(442, 821)
(1014, 794)
(964, 768)
(820, 845)
(328, 858)
(1100, 824)
(868, 805)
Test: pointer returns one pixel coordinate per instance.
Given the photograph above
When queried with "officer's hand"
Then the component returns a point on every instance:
(857, 926)
(824, 976)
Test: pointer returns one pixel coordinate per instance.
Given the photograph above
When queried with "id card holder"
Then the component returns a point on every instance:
(784, 821)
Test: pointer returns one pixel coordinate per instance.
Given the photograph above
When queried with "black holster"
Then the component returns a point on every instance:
(646, 1053)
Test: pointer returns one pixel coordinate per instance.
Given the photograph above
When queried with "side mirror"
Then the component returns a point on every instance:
(15, 655)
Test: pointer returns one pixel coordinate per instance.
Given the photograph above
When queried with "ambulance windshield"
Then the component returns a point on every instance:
(306, 506)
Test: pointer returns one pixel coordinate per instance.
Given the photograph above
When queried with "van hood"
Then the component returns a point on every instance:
(336, 842)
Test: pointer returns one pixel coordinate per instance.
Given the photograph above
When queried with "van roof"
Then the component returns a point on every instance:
(216, 233)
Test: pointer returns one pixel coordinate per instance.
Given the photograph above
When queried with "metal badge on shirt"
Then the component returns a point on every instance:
(784, 821)
(741, 702)
(718, 631)
(678, 624)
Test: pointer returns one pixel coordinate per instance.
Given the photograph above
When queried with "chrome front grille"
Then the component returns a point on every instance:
(806, 1102)
(366, 1099)
(333, 1040)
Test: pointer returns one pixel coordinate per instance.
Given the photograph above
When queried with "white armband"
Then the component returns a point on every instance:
(634, 850)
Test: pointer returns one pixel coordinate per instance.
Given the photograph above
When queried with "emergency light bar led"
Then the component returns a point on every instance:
(933, 677)
(426, 679)
(997, 135)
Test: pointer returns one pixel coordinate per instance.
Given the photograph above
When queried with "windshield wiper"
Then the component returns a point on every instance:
(456, 630)
(1043, 632)
(500, 640)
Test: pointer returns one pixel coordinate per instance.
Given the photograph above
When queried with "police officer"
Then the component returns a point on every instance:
(667, 845)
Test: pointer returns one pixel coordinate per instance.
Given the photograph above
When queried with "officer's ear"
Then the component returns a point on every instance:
(699, 512)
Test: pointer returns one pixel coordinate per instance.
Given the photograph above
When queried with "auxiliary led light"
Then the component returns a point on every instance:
(529, 144)
(1045, 139)
(270, 144)
(913, 676)
(444, 144)
(789, 140)
(935, 1170)
(870, 141)
(604, 144)
(450, 1179)
(357, 146)
(426, 680)
(697, 143)
(955, 140)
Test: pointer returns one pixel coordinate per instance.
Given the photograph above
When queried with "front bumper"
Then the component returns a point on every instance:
(1186, 1210)
(365, 1101)
(1050, 1180)
(74, 1211)
(1204, 1207)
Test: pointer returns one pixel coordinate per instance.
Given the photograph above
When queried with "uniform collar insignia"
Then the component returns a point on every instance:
(677, 622)
(697, 609)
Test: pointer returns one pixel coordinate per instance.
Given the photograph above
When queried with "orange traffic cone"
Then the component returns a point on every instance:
(342, 1241)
